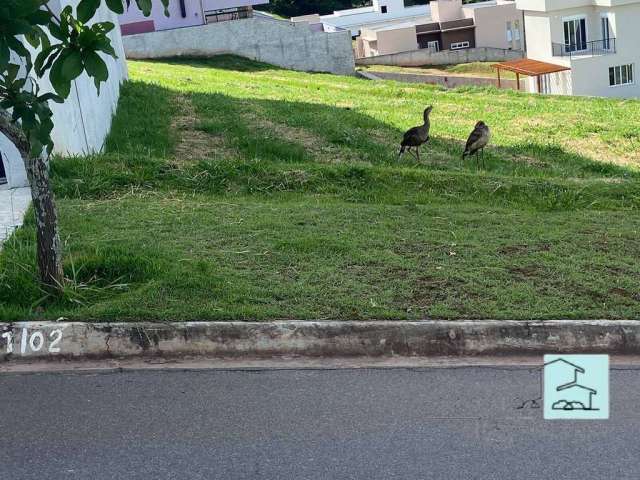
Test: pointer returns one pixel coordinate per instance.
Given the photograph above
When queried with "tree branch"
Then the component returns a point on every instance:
(52, 14)
(14, 133)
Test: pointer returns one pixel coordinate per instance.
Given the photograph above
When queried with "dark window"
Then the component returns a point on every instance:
(3, 175)
(621, 75)
(575, 35)
(383, 9)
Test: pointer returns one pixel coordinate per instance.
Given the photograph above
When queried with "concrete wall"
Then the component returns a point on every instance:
(418, 58)
(448, 81)
(83, 121)
(286, 44)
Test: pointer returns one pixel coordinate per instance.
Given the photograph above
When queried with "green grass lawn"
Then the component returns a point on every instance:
(236, 190)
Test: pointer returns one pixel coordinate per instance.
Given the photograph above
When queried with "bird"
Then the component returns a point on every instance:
(416, 136)
(478, 139)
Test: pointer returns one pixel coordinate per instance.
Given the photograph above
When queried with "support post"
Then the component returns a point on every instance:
(499, 80)
(518, 80)
(539, 84)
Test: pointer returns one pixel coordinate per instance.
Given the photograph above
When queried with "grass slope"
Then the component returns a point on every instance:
(236, 190)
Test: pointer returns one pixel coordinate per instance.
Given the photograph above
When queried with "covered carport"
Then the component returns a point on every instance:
(529, 68)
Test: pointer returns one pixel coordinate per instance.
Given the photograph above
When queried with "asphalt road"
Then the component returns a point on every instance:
(424, 423)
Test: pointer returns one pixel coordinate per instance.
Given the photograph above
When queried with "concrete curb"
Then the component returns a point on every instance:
(367, 75)
(35, 340)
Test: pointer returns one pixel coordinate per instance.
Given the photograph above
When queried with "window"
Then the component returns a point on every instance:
(459, 45)
(3, 175)
(509, 33)
(516, 30)
(606, 33)
(383, 9)
(621, 75)
(575, 35)
(435, 46)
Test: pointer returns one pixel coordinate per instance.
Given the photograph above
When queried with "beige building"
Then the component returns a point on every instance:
(596, 39)
(451, 26)
(498, 24)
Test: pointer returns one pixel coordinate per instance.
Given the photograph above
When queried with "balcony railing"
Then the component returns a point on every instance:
(605, 46)
(226, 14)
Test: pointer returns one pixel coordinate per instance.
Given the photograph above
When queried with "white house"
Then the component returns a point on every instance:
(379, 12)
(597, 40)
(452, 25)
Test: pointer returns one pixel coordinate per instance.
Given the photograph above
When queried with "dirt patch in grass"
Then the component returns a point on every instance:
(523, 249)
(317, 146)
(193, 143)
(428, 290)
(625, 293)
(525, 272)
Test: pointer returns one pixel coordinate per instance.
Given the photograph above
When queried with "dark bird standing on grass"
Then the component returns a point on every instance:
(416, 136)
(478, 139)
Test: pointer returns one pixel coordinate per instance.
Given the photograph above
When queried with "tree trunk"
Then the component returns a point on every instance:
(49, 253)
(48, 237)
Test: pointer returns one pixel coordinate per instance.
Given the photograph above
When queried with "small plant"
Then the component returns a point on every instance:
(35, 42)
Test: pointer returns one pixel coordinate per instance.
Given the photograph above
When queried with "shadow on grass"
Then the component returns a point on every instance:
(222, 62)
(299, 147)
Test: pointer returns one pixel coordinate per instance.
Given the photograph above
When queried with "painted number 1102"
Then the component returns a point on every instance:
(32, 342)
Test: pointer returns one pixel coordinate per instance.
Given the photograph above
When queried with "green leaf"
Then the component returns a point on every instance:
(33, 38)
(87, 9)
(12, 71)
(40, 17)
(106, 27)
(60, 83)
(49, 53)
(145, 6)
(116, 6)
(165, 3)
(5, 55)
(72, 66)
(50, 97)
(57, 32)
(96, 68)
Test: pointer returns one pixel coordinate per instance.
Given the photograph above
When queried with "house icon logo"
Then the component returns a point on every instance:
(576, 387)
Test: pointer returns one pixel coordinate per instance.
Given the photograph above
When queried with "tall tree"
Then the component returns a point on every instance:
(36, 41)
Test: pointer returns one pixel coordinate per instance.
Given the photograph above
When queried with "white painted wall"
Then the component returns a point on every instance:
(14, 167)
(286, 44)
(83, 121)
